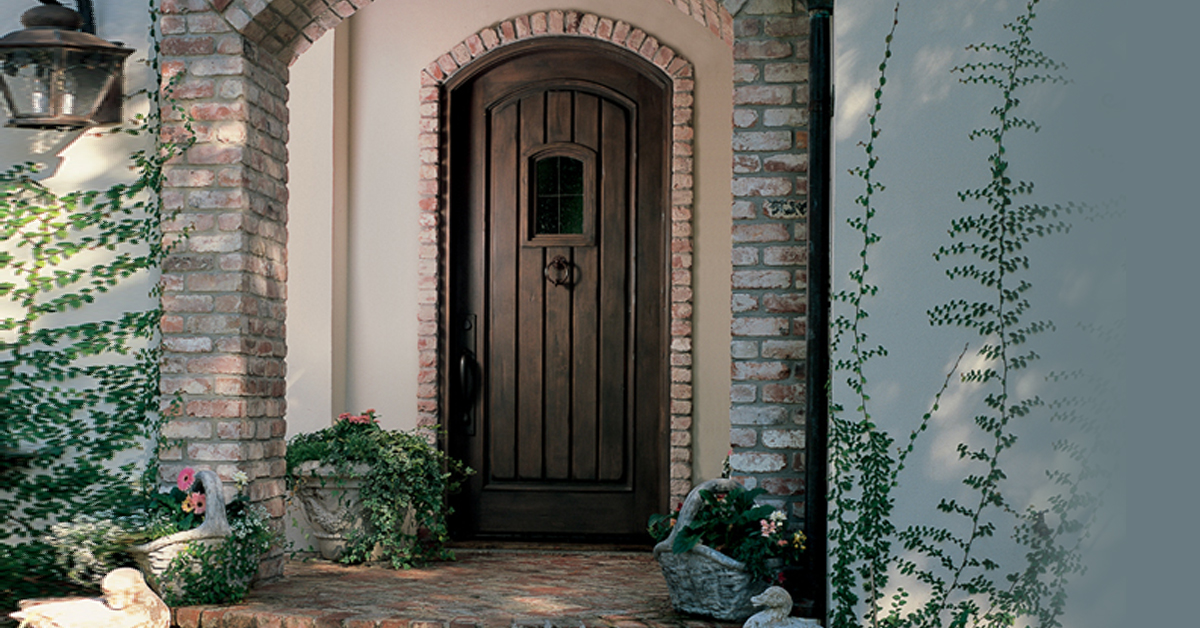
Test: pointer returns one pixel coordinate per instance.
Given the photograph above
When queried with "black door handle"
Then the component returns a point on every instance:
(468, 381)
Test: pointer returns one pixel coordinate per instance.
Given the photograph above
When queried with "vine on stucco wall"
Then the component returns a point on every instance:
(956, 564)
(79, 393)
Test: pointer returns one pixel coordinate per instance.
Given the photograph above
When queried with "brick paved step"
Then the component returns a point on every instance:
(483, 588)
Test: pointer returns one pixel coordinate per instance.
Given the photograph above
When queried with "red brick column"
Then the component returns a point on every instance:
(224, 286)
(769, 281)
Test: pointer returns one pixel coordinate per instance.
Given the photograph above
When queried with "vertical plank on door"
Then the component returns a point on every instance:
(501, 369)
(614, 285)
(557, 417)
(558, 116)
(585, 336)
(530, 311)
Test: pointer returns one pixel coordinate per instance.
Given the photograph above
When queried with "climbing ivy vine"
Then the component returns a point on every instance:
(79, 393)
(954, 563)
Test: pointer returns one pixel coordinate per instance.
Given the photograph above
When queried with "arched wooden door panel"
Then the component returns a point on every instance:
(557, 302)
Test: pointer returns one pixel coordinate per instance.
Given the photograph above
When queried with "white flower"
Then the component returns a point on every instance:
(241, 480)
(777, 517)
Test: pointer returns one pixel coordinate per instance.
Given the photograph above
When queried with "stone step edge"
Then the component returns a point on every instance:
(219, 617)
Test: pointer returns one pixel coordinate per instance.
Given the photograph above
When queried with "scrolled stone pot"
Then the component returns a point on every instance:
(703, 581)
(332, 505)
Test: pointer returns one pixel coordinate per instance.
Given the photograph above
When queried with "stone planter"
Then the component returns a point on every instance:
(703, 581)
(331, 505)
(155, 557)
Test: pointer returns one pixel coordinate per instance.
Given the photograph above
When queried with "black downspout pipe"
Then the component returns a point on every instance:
(84, 9)
(820, 209)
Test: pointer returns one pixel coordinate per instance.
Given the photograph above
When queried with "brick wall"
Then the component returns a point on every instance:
(225, 292)
(224, 286)
(770, 163)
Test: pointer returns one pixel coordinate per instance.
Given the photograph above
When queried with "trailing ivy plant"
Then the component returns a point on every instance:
(405, 480)
(954, 561)
(79, 394)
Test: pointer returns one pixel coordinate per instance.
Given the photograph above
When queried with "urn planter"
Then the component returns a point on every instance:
(703, 581)
(332, 505)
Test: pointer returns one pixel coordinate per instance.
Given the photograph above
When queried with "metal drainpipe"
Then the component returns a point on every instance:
(84, 9)
(820, 209)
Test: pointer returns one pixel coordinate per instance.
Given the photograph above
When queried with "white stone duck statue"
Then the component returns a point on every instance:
(778, 603)
(128, 602)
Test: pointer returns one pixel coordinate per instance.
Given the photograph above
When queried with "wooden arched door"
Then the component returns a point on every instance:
(557, 309)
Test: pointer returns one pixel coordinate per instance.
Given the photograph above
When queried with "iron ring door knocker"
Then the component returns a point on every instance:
(560, 272)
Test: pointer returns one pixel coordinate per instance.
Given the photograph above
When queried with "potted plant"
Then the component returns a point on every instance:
(720, 549)
(191, 546)
(197, 549)
(373, 494)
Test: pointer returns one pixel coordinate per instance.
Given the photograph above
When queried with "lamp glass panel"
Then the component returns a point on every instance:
(85, 80)
(29, 77)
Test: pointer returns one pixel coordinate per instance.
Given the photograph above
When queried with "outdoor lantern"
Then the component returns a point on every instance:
(56, 77)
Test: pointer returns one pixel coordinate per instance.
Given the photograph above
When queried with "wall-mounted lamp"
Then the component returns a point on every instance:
(56, 77)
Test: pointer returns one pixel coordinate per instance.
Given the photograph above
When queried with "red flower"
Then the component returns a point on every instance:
(199, 502)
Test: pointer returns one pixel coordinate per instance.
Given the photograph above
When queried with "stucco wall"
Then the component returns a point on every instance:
(925, 158)
(91, 159)
(385, 47)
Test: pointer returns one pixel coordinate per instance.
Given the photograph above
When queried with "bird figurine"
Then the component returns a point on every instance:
(128, 602)
(778, 608)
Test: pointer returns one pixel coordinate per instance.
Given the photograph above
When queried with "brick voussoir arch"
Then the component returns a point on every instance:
(680, 71)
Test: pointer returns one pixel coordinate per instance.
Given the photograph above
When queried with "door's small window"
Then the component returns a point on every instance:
(558, 191)
(559, 203)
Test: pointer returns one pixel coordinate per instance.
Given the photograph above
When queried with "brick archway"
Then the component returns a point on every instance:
(225, 291)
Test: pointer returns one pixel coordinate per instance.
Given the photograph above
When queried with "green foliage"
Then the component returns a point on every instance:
(403, 492)
(862, 467)
(948, 559)
(79, 396)
(659, 525)
(89, 547)
(221, 574)
(733, 524)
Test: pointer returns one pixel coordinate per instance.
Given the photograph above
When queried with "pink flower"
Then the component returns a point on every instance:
(365, 418)
(768, 527)
(186, 478)
(199, 502)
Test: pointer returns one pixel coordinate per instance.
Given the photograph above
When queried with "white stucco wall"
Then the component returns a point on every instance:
(91, 159)
(925, 159)
(387, 44)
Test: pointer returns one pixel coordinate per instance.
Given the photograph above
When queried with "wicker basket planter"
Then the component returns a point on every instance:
(703, 581)
(155, 557)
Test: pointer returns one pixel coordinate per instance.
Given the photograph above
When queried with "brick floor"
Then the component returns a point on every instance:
(483, 588)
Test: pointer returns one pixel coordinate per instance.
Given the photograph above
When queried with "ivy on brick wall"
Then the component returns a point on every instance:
(79, 392)
(994, 557)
